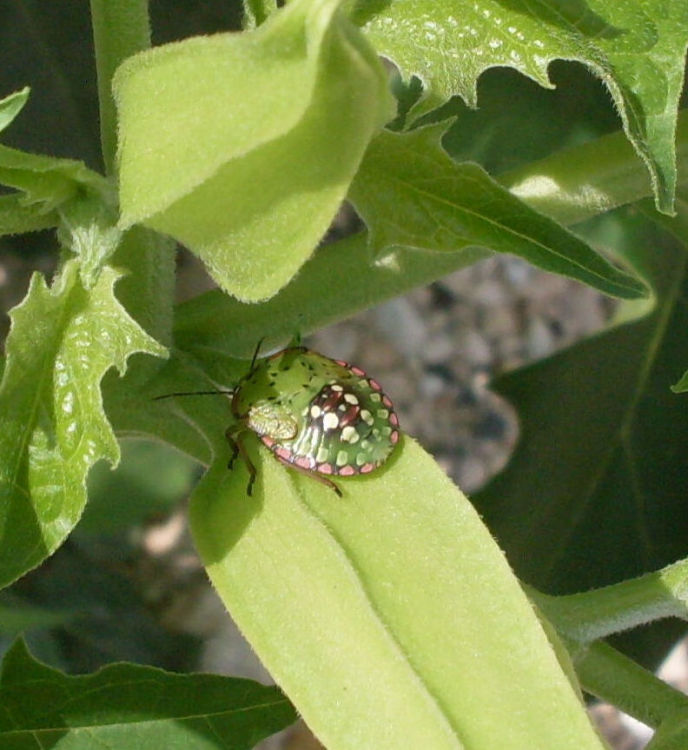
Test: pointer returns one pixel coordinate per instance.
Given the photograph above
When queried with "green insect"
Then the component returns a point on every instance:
(319, 416)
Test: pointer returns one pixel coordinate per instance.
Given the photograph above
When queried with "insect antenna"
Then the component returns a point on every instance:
(194, 393)
(255, 356)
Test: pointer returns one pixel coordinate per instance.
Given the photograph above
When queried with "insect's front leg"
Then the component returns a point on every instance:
(234, 446)
(236, 443)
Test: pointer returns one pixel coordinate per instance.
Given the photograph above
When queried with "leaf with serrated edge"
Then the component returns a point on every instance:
(389, 616)
(126, 706)
(242, 146)
(411, 193)
(62, 341)
(637, 49)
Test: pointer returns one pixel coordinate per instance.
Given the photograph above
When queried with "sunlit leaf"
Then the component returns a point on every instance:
(389, 616)
(410, 193)
(636, 48)
(242, 146)
(63, 340)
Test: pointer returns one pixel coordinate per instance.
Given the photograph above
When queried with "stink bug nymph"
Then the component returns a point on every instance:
(319, 416)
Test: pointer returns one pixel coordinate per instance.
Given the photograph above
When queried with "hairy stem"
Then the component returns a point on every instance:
(590, 615)
(608, 674)
(120, 28)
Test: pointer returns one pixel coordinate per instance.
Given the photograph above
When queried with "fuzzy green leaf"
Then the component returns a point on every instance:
(602, 436)
(389, 616)
(242, 146)
(63, 340)
(44, 182)
(636, 48)
(411, 193)
(16, 218)
(125, 706)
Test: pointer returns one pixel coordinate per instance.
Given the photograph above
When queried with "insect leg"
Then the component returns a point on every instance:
(234, 446)
(238, 448)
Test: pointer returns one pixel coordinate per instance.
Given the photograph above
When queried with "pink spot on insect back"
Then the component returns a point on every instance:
(267, 440)
(374, 385)
(393, 419)
(346, 471)
(305, 462)
(342, 363)
(387, 402)
(324, 469)
(367, 468)
(357, 371)
(394, 438)
(284, 453)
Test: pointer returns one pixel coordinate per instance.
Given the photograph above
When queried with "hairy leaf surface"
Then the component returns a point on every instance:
(242, 146)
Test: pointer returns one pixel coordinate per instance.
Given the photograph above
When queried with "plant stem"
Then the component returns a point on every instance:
(120, 29)
(577, 183)
(608, 674)
(587, 616)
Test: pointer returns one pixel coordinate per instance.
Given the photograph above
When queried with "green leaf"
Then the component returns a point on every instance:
(389, 616)
(257, 11)
(11, 106)
(601, 440)
(16, 218)
(126, 706)
(45, 183)
(62, 341)
(88, 229)
(46, 180)
(236, 144)
(636, 48)
(411, 193)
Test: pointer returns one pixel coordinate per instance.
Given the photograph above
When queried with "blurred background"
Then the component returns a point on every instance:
(128, 585)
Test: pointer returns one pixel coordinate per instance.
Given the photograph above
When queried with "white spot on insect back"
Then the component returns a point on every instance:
(349, 434)
(366, 416)
(316, 411)
(330, 421)
(350, 398)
